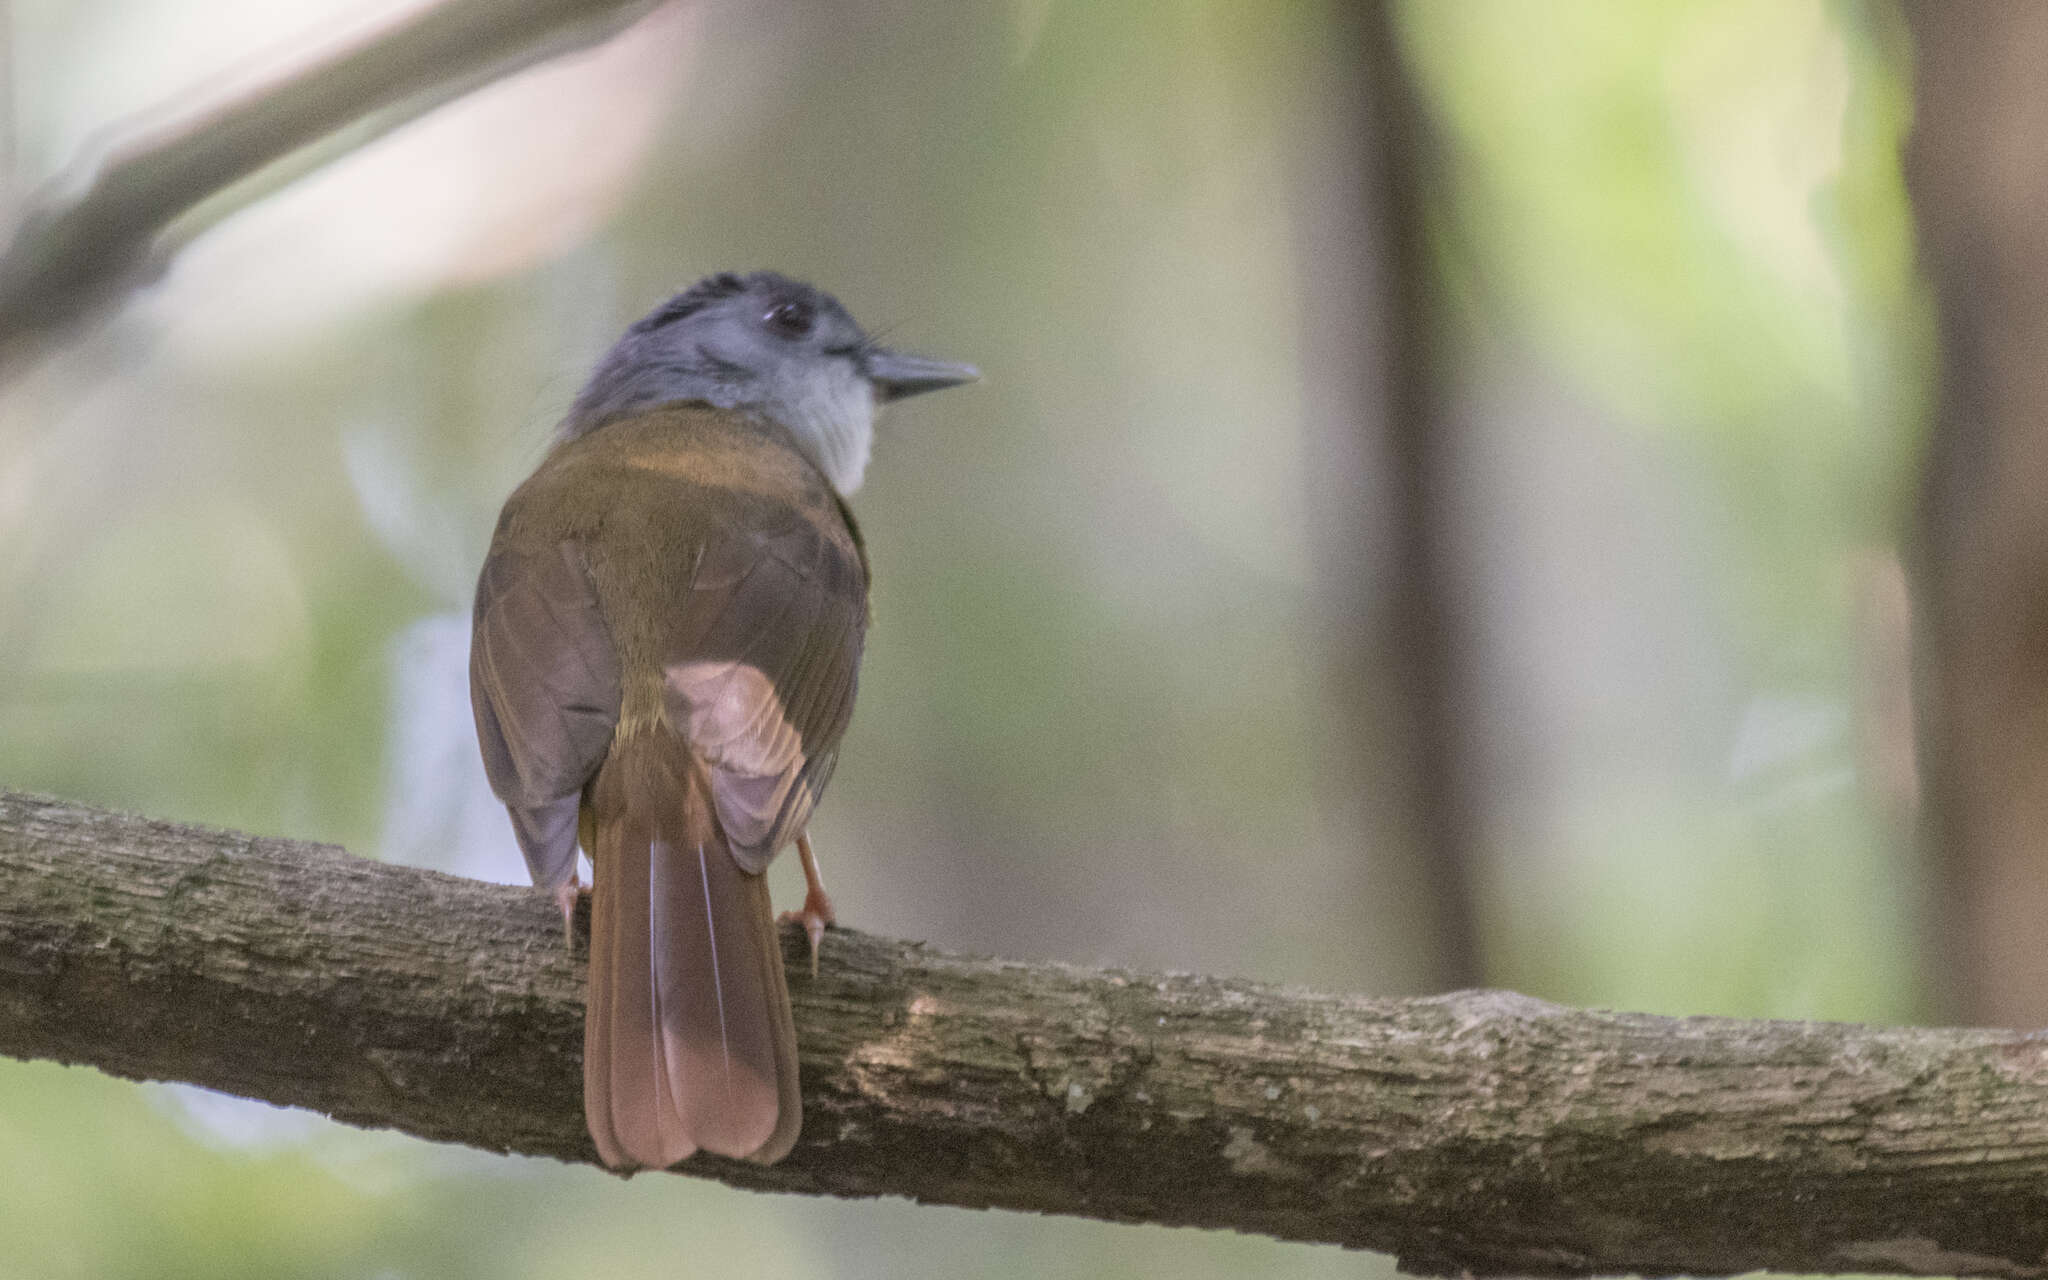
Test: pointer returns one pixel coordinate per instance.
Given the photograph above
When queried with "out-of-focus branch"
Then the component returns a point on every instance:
(1979, 181)
(1481, 1132)
(1424, 652)
(93, 234)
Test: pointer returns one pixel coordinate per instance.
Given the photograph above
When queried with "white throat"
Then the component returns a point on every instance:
(832, 415)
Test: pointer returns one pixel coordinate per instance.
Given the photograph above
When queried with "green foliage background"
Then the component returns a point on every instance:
(1097, 719)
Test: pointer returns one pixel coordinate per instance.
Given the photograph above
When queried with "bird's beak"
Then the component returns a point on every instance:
(897, 376)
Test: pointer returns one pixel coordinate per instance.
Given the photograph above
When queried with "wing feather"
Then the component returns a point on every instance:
(544, 684)
(761, 681)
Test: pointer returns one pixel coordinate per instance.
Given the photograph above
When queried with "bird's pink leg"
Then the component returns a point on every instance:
(565, 896)
(817, 912)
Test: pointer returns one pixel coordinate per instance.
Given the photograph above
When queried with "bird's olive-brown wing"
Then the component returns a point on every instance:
(544, 684)
(759, 672)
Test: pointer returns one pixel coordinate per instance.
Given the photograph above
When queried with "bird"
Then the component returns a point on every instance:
(665, 645)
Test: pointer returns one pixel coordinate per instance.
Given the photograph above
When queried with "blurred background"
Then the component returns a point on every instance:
(1460, 494)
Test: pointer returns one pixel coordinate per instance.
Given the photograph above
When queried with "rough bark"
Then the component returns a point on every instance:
(1482, 1131)
(93, 234)
(1979, 181)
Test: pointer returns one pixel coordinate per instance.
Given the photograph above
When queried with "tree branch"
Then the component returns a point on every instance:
(93, 234)
(1481, 1131)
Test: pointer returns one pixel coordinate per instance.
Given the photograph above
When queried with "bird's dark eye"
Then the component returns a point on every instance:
(793, 319)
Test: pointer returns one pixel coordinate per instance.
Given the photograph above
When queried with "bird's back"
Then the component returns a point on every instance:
(644, 495)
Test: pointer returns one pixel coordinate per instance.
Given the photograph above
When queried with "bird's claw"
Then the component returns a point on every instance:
(816, 915)
(565, 896)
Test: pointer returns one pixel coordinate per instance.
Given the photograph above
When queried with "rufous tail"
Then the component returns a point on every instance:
(688, 1041)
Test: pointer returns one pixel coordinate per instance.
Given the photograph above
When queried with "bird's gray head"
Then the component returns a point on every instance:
(771, 345)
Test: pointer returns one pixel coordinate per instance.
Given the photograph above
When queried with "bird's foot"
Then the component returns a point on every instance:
(565, 896)
(815, 916)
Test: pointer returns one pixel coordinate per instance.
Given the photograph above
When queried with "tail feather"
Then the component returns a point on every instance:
(688, 1039)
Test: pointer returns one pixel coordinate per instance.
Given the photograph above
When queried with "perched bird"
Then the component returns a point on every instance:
(666, 638)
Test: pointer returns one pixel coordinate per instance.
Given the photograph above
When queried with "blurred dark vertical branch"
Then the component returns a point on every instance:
(1386, 511)
(1978, 174)
(1428, 672)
